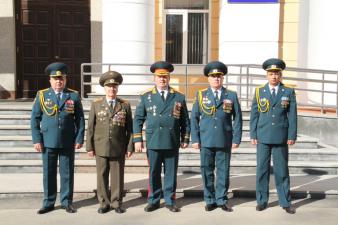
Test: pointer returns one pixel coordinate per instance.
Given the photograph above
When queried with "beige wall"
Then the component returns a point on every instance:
(288, 31)
(158, 29)
(214, 30)
(7, 50)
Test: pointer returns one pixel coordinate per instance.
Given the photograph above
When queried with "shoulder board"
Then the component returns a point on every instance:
(148, 90)
(229, 90)
(98, 100)
(260, 86)
(172, 90)
(288, 86)
(72, 90)
(203, 89)
(44, 90)
(122, 100)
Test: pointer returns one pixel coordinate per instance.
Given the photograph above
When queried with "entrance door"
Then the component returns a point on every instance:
(49, 31)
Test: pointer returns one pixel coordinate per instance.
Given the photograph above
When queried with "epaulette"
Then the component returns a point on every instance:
(229, 90)
(148, 90)
(288, 86)
(123, 100)
(260, 86)
(172, 90)
(72, 90)
(99, 99)
(204, 89)
(43, 90)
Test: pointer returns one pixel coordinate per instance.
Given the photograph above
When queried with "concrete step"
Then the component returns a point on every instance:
(247, 154)
(303, 142)
(185, 166)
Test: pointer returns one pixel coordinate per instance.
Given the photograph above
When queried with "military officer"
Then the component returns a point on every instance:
(57, 125)
(273, 127)
(109, 139)
(165, 113)
(214, 110)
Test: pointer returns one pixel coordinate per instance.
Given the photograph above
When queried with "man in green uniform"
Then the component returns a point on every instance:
(216, 128)
(109, 139)
(57, 124)
(165, 113)
(273, 127)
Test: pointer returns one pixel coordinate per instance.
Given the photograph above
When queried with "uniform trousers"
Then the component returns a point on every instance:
(50, 158)
(169, 159)
(219, 158)
(115, 167)
(280, 154)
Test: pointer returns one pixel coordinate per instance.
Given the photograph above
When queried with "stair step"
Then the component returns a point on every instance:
(321, 154)
(141, 166)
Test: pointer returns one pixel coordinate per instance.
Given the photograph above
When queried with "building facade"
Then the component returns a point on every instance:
(36, 32)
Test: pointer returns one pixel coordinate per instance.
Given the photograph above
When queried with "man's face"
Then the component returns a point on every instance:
(274, 77)
(162, 81)
(58, 83)
(216, 81)
(111, 90)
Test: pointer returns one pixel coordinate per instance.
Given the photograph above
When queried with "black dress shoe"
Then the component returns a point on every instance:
(210, 207)
(290, 210)
(173, 208)
(151, 207)
(226, 208)
(69, 208)
(261, 207)
(120, 210)
(103, 209)
(44, 210)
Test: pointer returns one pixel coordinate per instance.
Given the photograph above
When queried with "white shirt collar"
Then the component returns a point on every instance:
(108, 100)
(276, 88)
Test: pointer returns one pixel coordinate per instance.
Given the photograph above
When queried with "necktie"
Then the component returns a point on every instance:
(216, 96)
(162, 95)
(58, 96)
(111, 104)
(273, 92)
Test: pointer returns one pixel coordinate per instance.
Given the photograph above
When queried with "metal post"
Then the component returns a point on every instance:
(186, 81)
(322, 100)
(337, 95)
(82, 79)
(247, 86)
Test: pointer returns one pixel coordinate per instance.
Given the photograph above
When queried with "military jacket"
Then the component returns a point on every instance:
(57, 125)
(109, 130)
(273, 120)
(216, 124)
(167, 122)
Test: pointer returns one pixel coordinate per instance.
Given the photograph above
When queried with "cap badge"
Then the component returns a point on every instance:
(58, 73)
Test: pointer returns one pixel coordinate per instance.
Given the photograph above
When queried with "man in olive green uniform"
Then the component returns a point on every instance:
(165, 113)
(57, 124)
(109, 139)
(216, 128)
(273, 127)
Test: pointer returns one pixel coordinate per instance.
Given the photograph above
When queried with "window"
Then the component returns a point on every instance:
(186, 31)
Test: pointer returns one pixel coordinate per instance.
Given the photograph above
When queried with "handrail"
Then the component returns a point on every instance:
(315, 88)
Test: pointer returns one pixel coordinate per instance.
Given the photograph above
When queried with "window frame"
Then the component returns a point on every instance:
(184, 13)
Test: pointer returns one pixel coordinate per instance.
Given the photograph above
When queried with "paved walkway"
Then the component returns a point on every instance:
(28, 184)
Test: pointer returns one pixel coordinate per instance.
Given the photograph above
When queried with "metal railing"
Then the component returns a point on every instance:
(315, 89)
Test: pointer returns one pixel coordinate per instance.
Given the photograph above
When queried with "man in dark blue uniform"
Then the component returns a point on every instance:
(57, 124)
(165, 113)
(273, 127)
(216, 128)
